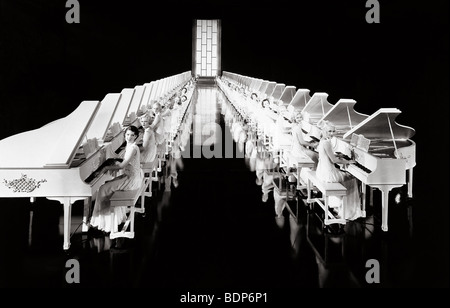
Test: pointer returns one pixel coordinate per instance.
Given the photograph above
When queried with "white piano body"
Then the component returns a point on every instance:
(384, 163)
(59, 168)
(64, 159)
(71, 153)
(313, 112)
(299, 101)
(343, 116)
(275, 96)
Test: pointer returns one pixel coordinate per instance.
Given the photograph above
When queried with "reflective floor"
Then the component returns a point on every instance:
(207, 227)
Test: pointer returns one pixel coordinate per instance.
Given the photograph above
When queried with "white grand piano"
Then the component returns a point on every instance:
(384, 154)
(71, 154)
(299, 101)
(313, 112)
(60, 169)
(343, 116)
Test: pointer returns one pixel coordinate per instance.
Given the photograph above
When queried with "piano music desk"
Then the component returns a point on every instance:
(327, 189)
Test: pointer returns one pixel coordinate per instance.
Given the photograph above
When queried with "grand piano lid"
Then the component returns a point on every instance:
(146, 95)
(379, 126)
(300, 99)
(256, 84)
(278, 90)
(103, 119)
(287, 95)
(270, 87)
(263, 86)
(123, 106)
(157, 89)
(52, 145)
(343, 114)
(318, 105)
(136, 100)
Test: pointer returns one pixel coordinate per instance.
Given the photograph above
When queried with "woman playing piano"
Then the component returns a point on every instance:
(328, 172)
(148, 151)
(300, 147)
(131, 178)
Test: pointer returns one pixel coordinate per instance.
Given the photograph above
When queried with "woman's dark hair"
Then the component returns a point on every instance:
(134, 129)
(264, 101)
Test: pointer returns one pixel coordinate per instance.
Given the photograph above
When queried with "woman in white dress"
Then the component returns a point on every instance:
(130, 179)
(328, 172)
(148, 151)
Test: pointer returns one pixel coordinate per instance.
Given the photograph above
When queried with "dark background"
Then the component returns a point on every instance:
(47, 66)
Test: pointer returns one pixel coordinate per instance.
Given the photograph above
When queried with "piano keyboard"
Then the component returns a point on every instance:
(98, 171)
(356, 164)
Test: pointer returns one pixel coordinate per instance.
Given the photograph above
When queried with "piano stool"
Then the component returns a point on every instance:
(128, 198)
(151, 174)
(293, 166)
(328, 190)
(283, 193)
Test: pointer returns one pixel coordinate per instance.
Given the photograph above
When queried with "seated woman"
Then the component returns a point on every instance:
(130, 179)
(167, 114)
(158, 124)
(300, 147)
(148, 150)
(328, 172)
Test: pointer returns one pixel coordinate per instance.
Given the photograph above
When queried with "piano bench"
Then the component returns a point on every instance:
(150, 172)
(328, 190)
(128, 198)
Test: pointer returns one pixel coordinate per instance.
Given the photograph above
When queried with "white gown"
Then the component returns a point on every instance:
(327, 172)
(130, 179)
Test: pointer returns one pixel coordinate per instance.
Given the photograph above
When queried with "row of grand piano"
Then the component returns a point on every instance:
(383, 149)
(68, 154)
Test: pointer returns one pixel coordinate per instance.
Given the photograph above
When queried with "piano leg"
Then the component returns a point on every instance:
(363, 201)
(67, 204)
(384, 209)
(86, 214)
(67, 222)
(385, 189)
(410, 182)
(30, 224)
(371, 197)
